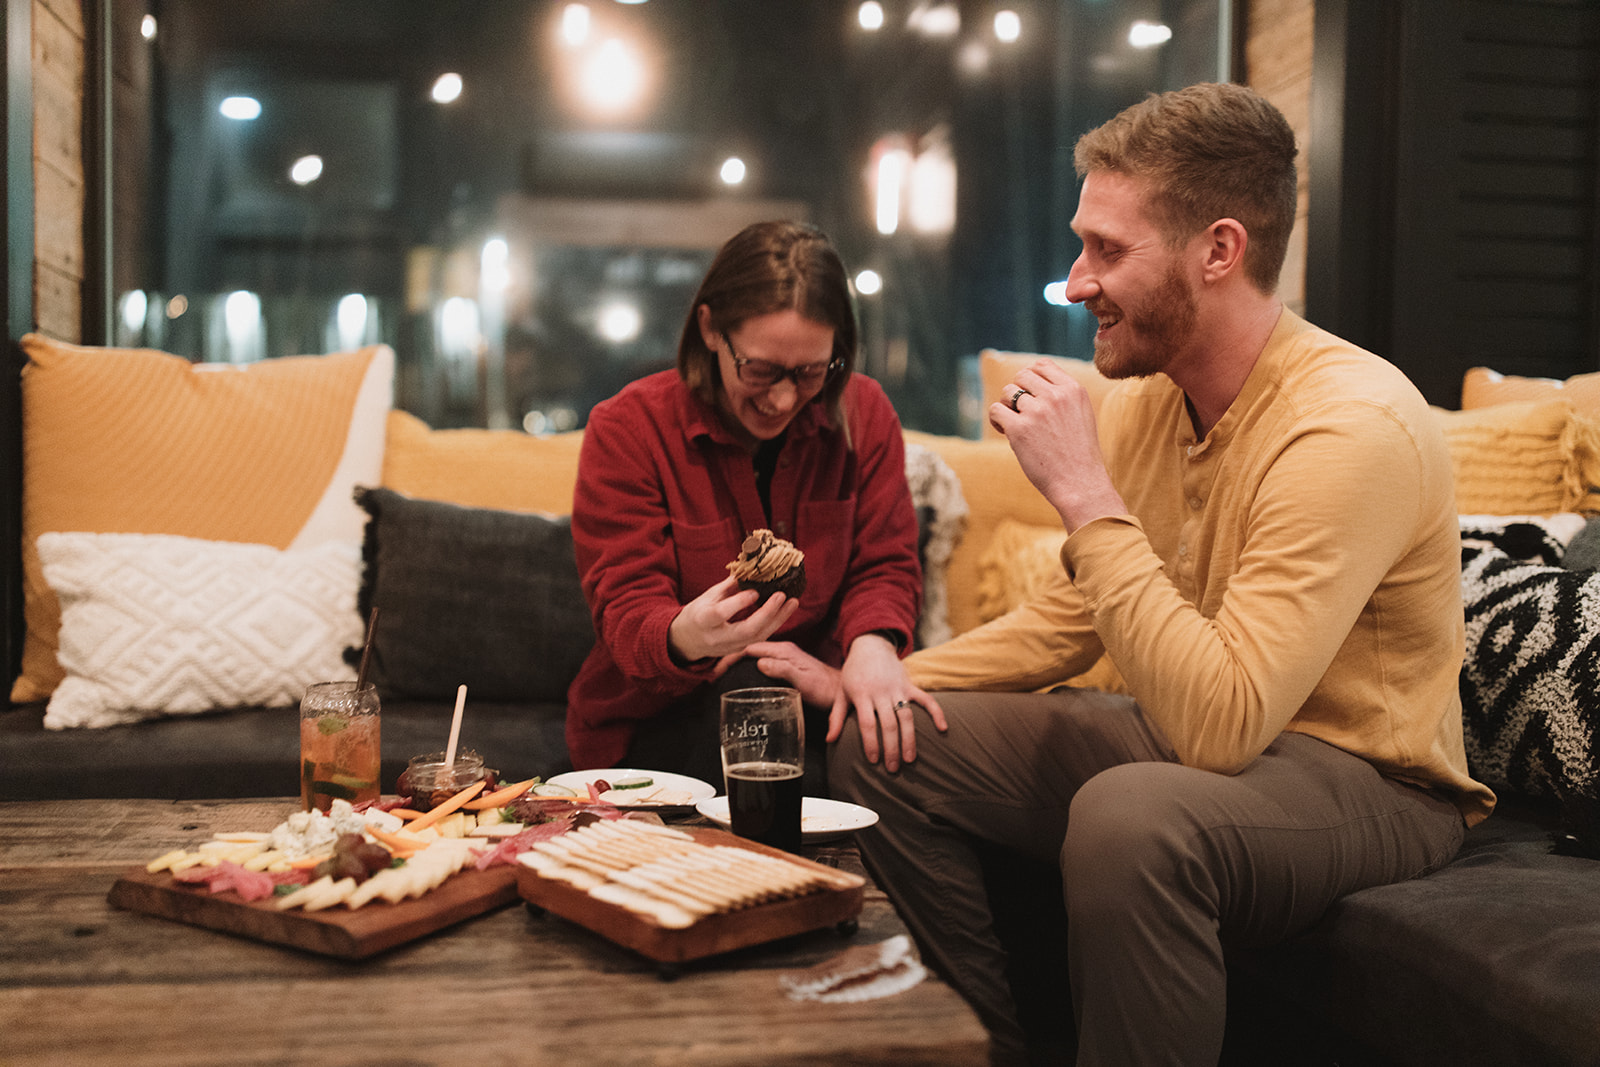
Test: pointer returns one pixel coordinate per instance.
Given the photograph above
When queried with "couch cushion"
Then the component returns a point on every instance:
(995, 489)
(153, 624)
(1483, 387)
(1493, 959)
(1529, 458)
(479, 597)
(137, 441)
(255, 752)
(504, 469)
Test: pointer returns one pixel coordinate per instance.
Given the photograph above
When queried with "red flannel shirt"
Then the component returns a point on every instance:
(665, 496)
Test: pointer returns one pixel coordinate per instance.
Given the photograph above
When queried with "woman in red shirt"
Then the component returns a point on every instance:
(764, 424)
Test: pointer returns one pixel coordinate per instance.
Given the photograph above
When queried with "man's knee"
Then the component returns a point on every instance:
(1130, 828)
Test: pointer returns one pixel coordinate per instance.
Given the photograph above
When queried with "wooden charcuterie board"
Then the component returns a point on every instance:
(336, 931)
(713, 934)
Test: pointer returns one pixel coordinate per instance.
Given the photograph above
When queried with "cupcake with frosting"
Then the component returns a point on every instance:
(769, 564)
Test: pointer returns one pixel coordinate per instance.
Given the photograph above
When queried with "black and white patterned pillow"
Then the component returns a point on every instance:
(1530, 683)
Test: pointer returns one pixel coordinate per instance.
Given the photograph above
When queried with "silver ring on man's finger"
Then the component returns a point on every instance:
(1016, 398)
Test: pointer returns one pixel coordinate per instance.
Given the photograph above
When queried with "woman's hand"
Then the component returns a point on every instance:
(874, 682)
(704, 628)
(818, 683)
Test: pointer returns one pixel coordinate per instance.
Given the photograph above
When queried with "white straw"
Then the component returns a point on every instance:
(455, 731)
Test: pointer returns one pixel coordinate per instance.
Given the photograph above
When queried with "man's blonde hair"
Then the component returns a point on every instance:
(1210, 152)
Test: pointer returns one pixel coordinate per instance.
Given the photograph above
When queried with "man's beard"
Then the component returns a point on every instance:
(1153, 331)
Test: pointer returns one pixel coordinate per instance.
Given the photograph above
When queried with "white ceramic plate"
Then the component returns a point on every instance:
(820, 819)
(578, 782)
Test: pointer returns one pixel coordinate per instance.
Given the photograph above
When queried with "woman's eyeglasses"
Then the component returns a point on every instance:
(764, 374)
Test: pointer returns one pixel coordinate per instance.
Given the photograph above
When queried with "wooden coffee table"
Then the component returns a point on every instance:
(84, 983)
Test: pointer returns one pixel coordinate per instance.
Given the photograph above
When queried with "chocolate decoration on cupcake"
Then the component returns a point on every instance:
(769, 564)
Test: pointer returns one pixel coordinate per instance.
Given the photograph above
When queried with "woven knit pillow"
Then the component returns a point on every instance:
(1531, 458)
(137, 441)
(480, 597)
(1021, 562)
(153, 624)
(1530, 683)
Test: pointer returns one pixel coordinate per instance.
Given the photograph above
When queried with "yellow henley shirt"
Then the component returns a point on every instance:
(1297, 569)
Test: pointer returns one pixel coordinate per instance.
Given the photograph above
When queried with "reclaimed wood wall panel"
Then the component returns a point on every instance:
(59, 187)
(1278, 52)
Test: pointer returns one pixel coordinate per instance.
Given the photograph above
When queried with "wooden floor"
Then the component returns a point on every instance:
(83, 983)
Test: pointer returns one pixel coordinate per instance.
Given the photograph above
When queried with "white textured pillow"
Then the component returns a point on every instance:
(156, 624)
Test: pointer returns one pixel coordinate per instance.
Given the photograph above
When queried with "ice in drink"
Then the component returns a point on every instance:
(339, 745)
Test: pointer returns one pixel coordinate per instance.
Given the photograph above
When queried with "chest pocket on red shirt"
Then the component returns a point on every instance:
(704, 552)
(827, 536)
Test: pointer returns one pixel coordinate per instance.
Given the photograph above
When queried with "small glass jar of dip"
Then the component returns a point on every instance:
(428, 782)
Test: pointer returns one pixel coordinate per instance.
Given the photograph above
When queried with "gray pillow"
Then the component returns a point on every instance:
(1583, 551)
(470, 596)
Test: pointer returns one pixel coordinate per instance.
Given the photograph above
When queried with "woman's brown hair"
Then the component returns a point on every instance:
(765, 268)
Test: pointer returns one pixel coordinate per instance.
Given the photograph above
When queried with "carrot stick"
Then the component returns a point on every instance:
(396, 842)
(406, 814)
(429, 818)
(500, 797)
(307, 862)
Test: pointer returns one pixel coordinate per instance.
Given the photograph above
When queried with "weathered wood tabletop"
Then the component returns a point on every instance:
(84, 983)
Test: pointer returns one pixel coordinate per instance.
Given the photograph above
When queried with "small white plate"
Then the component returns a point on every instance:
(820, 819)
(578, 782)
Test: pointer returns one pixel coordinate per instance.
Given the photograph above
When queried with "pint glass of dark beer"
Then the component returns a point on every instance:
(763, 758)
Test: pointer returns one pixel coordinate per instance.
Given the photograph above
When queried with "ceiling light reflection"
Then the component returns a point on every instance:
(574, 24)
(619, 322)
(870, 15)
(893, 167)
(1144, 34)
(935, 19)
(306, 170)
(240, 108)
(733, 171)
(612, 78)
(446, 88)
(1007, 25)
(869, 282)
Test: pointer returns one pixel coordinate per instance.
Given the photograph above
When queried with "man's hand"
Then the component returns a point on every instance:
(704, 627)
(1050, 425)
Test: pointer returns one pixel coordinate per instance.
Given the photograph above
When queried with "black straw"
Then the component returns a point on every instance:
(366, 651)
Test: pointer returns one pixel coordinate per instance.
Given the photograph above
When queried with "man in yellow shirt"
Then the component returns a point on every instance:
(1263, 536)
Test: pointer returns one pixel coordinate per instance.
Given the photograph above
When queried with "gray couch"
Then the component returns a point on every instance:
(1493, 960)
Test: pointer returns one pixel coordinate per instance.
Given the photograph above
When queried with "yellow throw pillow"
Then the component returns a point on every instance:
(139, 441)
(1020, 562)
(995, 489)
(1525, 458)
(503, 469)
(996, 369)
(1482, 387)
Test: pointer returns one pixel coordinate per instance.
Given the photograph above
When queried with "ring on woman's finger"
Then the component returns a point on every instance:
(1016, 398)
(901, 705)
